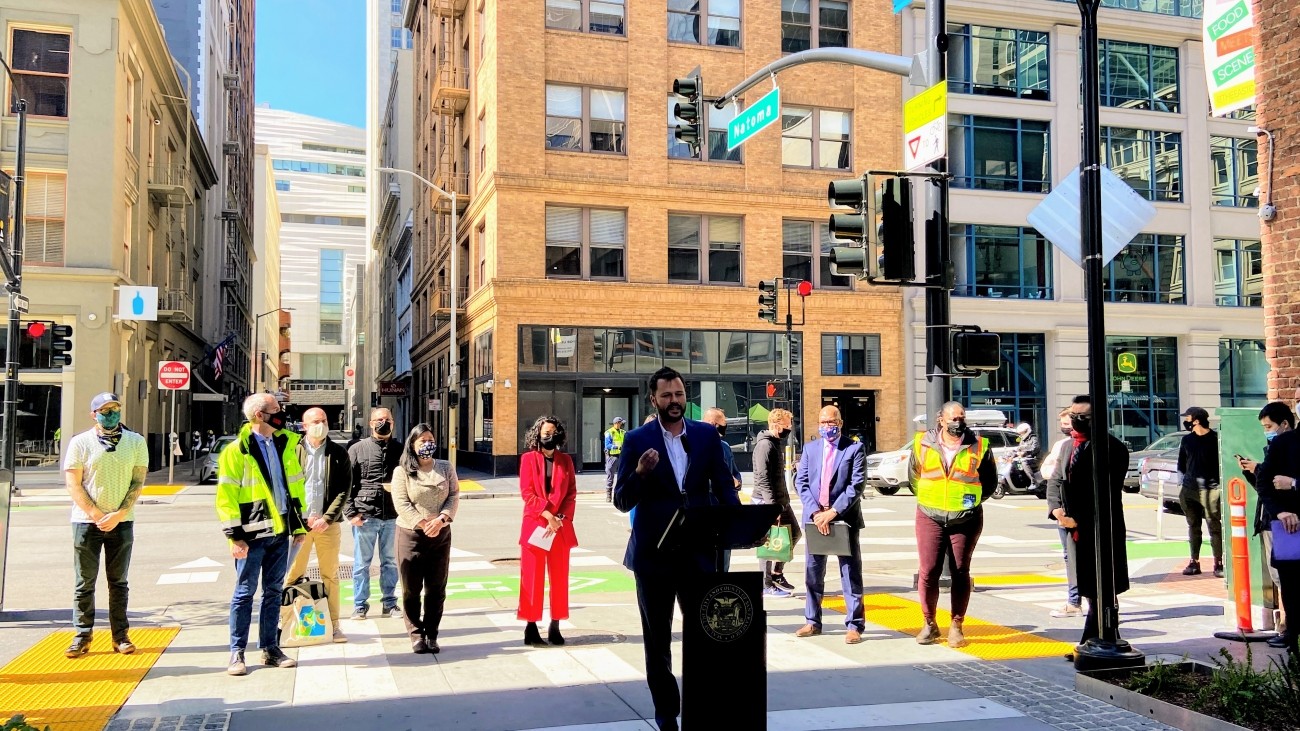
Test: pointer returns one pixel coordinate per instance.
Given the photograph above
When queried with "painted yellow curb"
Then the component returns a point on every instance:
(163, 489)
(470, 486)
(1016, 580)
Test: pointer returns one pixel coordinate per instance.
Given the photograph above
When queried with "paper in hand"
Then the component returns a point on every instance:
(540, 539)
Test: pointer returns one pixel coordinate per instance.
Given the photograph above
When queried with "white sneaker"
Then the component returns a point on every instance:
(1068, 610)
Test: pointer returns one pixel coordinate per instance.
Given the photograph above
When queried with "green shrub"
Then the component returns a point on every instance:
(19, 723)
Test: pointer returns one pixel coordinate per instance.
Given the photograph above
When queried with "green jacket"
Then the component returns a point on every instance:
(245, 502)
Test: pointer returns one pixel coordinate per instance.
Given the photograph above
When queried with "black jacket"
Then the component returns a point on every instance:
(1282, 458)
(373, 462)
(1074, 493)
(769, 471)
(338, 477)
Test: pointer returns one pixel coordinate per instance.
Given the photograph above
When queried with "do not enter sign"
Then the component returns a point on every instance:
(174, 375)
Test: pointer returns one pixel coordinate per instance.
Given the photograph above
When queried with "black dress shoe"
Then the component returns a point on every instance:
(553, 636)
(532, 636)
(1277, 642)
(80, 646)
(275, 658)
(237, 666)
(420, 647)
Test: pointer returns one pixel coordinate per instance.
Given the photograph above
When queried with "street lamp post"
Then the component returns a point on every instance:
(257, 326)
(452, 371)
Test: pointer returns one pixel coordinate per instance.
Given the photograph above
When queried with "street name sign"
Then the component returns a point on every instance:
(1229, 43)
(174, 375)
(1124, 213)
(754, 118)
(925, 127)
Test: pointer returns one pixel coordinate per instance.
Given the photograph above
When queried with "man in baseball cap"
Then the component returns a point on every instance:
(1200, 497)
(104, 473)
(613, 448)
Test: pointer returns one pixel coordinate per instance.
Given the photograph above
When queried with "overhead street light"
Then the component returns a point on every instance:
(255, 375)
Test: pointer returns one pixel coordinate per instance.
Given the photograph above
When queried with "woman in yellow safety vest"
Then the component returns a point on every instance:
(953, 473)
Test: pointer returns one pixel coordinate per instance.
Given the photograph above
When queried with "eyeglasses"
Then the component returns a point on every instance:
(1080, 416)
(110, 410)
(830, 422)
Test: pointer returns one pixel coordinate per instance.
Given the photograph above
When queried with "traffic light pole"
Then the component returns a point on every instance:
(938, 251)
(15, 287)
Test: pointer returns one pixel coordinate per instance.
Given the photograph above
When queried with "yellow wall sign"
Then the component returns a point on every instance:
(1127, 363)
(925, 127)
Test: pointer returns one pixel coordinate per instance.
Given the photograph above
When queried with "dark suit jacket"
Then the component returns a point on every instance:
(338, 477)
(1282, 458)
(1073, 492)
(849, 474)
(656, 497)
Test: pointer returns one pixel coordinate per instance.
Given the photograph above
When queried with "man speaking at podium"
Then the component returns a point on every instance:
(667, 464)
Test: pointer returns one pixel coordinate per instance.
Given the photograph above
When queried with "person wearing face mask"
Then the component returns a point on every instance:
(426, 494)
(1070, 502)
(327, 475)
(1200, 496)
(549, 487)
(1073, 606)
(104, 473)
(1274, 481)
(372, 515)
(718, 418)
(260, 499)
(770, 489)
(952, 473)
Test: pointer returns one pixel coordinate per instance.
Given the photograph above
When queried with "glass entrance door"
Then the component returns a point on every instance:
(599, 407)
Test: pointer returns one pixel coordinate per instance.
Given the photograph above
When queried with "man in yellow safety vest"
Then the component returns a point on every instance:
(613, 448)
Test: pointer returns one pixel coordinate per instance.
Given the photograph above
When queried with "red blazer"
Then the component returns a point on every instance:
(561, 497)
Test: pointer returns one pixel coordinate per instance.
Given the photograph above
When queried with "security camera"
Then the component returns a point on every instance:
(157, 122)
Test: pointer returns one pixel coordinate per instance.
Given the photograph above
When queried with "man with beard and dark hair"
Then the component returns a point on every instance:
(667, 464)
(1070, 504)
(373, 515)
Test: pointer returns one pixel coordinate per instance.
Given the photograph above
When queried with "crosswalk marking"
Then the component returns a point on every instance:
(787, 653)
(639, 725)
(472, 566)
(592, 561)
(592, 666)
(357, 670)
(507, 622)
(190, 577)
(462, 553)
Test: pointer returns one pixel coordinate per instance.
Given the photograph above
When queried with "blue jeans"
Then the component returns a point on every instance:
(87, 541)
(364, 538)
(268, 559)
(1070, 573)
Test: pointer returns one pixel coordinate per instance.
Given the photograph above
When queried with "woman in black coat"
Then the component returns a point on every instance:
(1276, 483)
(1070, 504)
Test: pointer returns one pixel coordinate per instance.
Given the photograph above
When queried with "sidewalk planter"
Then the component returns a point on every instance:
(1105, 685)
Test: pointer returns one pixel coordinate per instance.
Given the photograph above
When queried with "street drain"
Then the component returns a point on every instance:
(593, 638)
(504, 562)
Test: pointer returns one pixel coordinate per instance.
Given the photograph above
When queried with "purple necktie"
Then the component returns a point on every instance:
(824, 498)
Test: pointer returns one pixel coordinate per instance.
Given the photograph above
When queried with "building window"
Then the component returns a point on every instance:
(816, 138)
(801, 261)
(331, 297)
(319, 147)
(1138, 76)
(282, 185)
(44, 217)
(1149, 269)
(324, 168)
(572, 109)
(998, 61)
(327, 367)
(1238, 273)
(1235, 166)
(1143, 398)
(719, 18)
(704, 249)
(351, 221)
(1180, 8)
(400, 38)
(592, 16)
(1018, 387)
(715, 121)
(1243, 372)
(41, 66)
(585, 243)
(1002, 261)
(356, 188)
(809, 24)
(850, 355)
(1149, 161)
(993, 153)
(132, 100)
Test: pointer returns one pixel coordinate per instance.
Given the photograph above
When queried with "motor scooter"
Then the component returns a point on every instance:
(1021, 479)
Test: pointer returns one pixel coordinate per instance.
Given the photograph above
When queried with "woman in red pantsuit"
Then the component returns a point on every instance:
(550, 491)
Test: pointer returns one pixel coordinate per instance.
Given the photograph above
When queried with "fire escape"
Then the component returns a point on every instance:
(450, 77)
(236, 210)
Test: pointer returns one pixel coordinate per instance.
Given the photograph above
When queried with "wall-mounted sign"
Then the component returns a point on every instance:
(392, 388)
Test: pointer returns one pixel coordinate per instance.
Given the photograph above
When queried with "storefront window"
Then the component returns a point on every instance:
(40, 412)
(547, 398)
(1243, 373)
(1018, 388)
(544, 349)
(744, 402)
(1143, 394)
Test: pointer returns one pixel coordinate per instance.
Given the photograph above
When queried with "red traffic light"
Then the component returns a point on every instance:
(36, 329)
(805, 288)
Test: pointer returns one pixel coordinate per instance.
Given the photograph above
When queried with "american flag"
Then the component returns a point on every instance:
(218, 357)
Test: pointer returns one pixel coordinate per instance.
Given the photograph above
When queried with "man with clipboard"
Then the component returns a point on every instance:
(667, 465)
(830, 478)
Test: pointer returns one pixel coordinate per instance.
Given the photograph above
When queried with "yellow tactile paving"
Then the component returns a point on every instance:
(470, 486)
(77, 695)
(987, 640)
(1016, 580)
(162, 489)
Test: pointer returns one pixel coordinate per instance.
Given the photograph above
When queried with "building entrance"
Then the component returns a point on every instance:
(858, 409)
(599, 407)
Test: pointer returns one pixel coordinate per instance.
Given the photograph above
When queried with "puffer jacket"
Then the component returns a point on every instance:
(769, 471)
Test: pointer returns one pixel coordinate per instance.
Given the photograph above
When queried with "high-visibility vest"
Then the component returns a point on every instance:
(614, 437)
(245, 502)
(940, 490)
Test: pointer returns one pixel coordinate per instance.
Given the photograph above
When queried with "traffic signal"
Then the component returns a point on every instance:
(849, 260)
(767, 300)
(776, 390)
(975, 351)
(885, 223)
(688, 112)
(897, 247)
(61, 345)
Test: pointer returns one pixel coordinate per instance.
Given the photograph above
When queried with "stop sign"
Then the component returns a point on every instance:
(174, 375)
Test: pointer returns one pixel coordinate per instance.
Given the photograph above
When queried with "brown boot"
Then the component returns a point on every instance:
(929, 634)
(955, 636)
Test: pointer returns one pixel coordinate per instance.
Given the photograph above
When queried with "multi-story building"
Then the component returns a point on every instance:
(1183, 319)
(593, 248)
(117, 178)
(320, 172)
(212, 40)
(271, 344)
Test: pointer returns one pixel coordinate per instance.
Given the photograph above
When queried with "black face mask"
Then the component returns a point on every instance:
(384, 428)
(547, 442)
(275, 421)
(1083, 426)
(722, 430)
(956, 428)
(1187, 426)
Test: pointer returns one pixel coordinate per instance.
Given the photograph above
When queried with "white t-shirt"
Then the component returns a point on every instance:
(105, 475)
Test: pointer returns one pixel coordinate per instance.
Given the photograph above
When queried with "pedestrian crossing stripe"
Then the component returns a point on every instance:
(484, 587)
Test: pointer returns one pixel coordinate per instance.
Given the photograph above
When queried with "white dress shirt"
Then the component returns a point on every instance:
(676, 454)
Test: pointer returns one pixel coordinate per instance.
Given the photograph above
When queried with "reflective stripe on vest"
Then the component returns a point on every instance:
(616, 436)
(940, 490)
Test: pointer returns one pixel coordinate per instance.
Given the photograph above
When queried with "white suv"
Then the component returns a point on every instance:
(888, 472)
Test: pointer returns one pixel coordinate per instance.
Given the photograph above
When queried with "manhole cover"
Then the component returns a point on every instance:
(593, 638)
(345, 572)
(504, 562)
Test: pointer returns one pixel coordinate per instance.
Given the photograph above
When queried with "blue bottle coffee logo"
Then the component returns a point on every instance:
(137, 304)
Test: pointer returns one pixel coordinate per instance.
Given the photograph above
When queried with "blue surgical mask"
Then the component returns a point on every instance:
(829, 433)
(109, 420)
(1268, 435)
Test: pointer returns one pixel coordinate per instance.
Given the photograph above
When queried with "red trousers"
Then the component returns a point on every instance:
(534, 563)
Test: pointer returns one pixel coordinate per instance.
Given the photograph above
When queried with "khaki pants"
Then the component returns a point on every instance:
(326, 544)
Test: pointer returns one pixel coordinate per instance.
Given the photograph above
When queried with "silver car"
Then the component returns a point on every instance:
(209, 471)
(888, 472)
(1132, 478)
(1159, 472)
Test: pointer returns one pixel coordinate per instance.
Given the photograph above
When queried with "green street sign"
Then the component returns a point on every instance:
(755, 117)
(1127, 363)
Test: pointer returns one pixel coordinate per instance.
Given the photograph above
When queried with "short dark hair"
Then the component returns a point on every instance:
(1082, 398)
(663, 374)
(533, 438)
(1278, 413)
(1199, 414)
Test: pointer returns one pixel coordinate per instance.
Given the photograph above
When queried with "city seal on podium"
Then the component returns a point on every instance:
(726, 613)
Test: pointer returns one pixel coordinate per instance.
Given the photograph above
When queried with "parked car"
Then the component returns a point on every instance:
(888, 472)
(209, 471)
(1157, 468)
(1132, 478)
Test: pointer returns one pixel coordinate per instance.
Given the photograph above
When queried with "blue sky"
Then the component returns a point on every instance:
(311, 57)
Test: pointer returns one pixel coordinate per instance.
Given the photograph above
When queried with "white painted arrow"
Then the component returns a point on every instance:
(201, 563)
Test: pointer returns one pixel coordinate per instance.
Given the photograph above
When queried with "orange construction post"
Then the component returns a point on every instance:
(1240, 553)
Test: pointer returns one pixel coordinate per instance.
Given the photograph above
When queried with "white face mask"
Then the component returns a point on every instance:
(318, 431)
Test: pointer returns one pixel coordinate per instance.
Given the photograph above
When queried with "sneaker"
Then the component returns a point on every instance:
(125, 647)
(928, 635)
(420, 647)
(1068, 610)
(1277, 642)
(237, 666)
(1193, 568)
(777, 591)
(779, 580)
(1218, 569)
(339, 636)
(275, 658)
(80, 646)
(392, 611)
(359, 613)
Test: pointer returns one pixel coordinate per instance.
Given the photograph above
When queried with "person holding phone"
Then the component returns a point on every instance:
(1275, 482)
